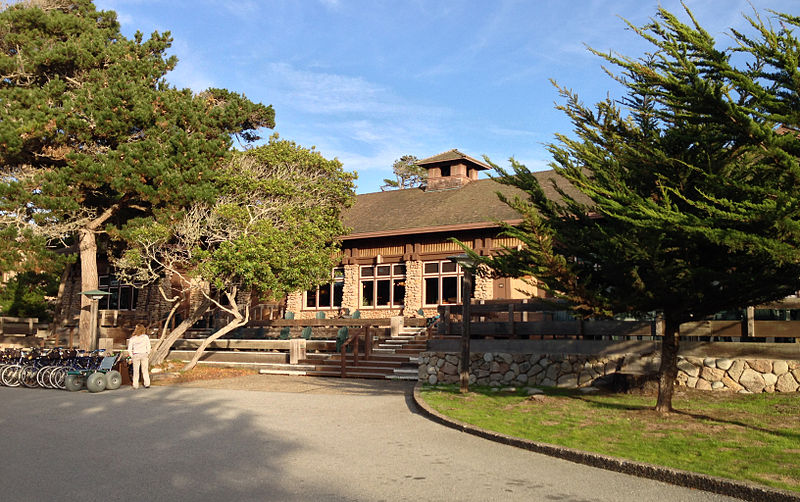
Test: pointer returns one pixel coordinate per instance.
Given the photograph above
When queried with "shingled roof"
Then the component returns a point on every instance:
(413, 210)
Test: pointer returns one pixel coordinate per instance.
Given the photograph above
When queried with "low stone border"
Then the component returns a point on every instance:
(722, 486)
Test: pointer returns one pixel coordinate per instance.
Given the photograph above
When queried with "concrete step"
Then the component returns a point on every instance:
(382, 365)
(406, 371)
(221, 356)
(350, 358)
(288, 367)
(283, 372)
(405, 346)
(350, 374)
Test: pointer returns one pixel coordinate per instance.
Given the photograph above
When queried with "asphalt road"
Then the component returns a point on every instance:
(311, 440)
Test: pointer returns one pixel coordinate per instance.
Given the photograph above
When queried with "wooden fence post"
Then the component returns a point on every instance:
(445, 321)
(513, 325)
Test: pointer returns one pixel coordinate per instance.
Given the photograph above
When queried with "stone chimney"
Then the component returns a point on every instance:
(451, 170)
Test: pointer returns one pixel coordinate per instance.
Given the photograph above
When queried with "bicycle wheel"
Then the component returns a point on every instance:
(74, 383)
(43, 376)
(57, 377)
(27, 377)
(10, 375)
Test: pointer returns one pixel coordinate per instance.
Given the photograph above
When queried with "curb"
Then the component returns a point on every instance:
(722, 486)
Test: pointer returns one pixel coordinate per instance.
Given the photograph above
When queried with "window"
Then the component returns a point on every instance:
(442, 281)
(327, 296)
(383, 285)
(122, 297)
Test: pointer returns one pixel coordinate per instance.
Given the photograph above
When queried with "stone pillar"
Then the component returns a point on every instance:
(413, 301)
(297, 350)
(294, 302)
(483, 288)
(351, 288)
(396, 325)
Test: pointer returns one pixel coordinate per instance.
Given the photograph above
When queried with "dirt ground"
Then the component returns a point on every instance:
(247, 379)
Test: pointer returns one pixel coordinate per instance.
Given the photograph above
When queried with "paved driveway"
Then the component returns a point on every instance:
(311, 440)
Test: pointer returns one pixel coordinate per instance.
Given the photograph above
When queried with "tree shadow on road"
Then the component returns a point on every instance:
(156, 444)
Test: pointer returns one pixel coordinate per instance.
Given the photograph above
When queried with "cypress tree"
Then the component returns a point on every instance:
(689, 185)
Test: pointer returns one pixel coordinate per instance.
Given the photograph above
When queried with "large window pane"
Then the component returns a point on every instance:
(367, 292)
(325, 295)
(449, 289)
(113, 300)
(338, 293)
(125, 298)
(311, 298)
(383, 293)
(399, 292)
(432, 291)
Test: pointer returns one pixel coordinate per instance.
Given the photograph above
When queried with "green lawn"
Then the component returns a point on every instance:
(753, 437)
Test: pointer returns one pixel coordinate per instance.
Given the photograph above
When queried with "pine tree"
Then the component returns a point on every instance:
(92, 135)
(273, 230)
(407, 174)
(690, 185)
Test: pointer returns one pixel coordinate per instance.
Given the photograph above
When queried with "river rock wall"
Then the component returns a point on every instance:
(498, 369)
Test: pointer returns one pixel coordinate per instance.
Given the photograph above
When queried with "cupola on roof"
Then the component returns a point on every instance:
(451, 169)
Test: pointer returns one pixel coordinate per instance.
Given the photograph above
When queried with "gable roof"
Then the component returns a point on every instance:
(413, 210)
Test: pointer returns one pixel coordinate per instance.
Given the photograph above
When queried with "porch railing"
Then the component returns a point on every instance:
(540, 319)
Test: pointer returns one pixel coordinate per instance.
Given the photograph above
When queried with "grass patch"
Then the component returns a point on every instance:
(752, 437)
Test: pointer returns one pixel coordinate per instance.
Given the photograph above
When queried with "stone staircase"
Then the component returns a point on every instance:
(394, 358)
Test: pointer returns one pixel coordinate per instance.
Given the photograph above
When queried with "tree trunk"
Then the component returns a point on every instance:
(58, 312)
(162, 349)
(669, 362)
(88, 254)
(164, 332)
(236, 322)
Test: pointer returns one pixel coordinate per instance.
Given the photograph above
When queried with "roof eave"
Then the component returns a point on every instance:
(427, 230)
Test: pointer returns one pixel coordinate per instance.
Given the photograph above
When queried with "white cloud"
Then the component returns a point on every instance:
(322, 93)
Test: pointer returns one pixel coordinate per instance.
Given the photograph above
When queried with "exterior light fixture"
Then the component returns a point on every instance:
(95, 295)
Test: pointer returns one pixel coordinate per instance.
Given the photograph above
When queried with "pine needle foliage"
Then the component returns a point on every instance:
(690, 184)
(92, 135)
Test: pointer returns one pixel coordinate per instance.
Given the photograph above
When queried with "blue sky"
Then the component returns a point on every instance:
(370, 81)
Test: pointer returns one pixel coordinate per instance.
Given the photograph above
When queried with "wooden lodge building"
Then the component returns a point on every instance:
(394, 261)
(395, 258)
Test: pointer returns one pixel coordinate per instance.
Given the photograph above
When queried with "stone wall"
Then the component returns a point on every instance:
(501, 368)
(575, 370)
(740, 375)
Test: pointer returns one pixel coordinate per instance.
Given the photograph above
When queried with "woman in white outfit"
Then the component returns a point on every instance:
(139, 351)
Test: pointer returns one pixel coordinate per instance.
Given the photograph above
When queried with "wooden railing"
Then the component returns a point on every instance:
(538, 319)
